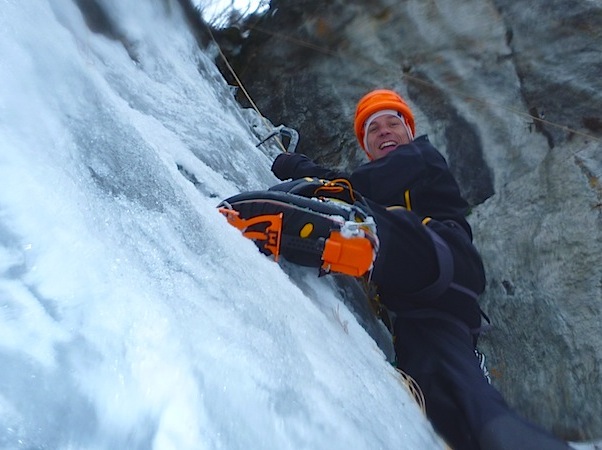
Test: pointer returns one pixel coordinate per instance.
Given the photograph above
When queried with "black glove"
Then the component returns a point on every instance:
(285, 164)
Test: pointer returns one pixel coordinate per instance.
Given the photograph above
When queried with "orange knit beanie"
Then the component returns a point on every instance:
(375, 101)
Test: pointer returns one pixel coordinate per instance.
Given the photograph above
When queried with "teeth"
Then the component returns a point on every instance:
(386, 144)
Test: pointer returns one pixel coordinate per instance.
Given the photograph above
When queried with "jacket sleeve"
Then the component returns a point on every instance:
(296, 165)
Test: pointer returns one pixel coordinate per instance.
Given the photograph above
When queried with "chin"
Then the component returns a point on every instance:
(385, 152)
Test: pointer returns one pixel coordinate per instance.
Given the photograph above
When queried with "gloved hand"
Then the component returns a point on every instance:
(285, 164)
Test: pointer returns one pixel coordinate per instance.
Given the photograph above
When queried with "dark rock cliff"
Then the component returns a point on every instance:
(511, 93)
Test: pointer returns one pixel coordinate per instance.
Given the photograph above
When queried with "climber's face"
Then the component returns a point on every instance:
(384, 134)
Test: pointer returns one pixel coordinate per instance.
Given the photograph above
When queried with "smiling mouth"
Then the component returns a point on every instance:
(387, 144)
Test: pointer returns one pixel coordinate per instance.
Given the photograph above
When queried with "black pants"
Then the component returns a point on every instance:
(468, 412)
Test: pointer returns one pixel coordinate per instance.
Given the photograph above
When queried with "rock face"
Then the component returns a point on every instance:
(511, 93)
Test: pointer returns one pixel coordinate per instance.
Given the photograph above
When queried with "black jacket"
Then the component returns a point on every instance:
(414, 175)
(419, 268)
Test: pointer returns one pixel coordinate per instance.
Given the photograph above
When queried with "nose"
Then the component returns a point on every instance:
(384, 130)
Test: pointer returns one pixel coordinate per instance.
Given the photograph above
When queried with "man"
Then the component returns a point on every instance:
(428, 274)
